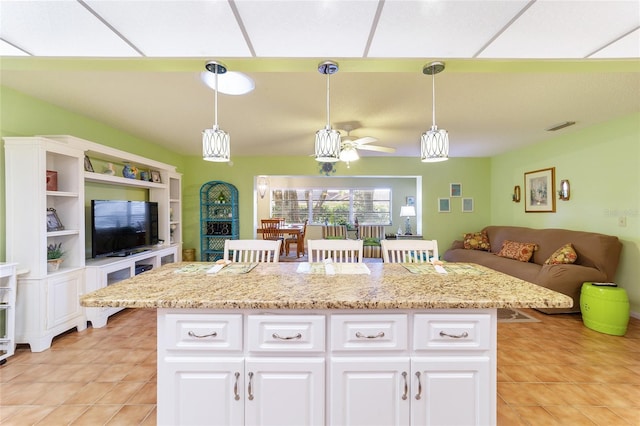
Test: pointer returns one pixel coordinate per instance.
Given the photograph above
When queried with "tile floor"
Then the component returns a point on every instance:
(555, 372)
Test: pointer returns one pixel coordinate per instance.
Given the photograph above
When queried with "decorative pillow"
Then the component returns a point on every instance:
(565, 254)
(371, 242)
(477, 241)
(516, 250)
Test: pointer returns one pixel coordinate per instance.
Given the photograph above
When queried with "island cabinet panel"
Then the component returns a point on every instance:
(333, 367)
(369, 391)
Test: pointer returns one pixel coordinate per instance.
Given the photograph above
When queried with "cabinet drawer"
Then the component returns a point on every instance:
(368, 332)
(291, 333)
(204, 332)
(445, 332)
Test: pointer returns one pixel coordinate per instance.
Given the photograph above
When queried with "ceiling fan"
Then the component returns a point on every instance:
(351, 144)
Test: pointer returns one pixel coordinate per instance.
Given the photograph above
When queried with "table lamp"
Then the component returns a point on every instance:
(408, 212)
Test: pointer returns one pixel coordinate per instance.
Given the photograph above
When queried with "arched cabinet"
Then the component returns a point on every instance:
(218, 218)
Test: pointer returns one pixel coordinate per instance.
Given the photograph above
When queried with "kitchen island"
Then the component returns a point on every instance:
(294, 344)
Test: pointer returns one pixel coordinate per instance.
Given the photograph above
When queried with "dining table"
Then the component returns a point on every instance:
(291, 230)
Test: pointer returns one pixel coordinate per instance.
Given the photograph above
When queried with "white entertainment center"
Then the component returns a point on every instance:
(47, 300)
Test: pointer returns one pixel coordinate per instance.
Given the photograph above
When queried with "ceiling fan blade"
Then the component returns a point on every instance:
(364, 140)
(376, 148)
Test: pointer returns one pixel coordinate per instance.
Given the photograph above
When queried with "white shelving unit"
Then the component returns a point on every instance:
(47, 302)
(7, 310)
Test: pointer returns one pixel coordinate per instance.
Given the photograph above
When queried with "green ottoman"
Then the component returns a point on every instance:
(605, 308)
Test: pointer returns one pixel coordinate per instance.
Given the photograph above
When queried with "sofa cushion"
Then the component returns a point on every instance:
(477, 241)
(565, 254)
(517, 250)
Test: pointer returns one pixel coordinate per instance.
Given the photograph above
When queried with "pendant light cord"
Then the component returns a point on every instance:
(433, 99)
(215, 102)
(328, 110)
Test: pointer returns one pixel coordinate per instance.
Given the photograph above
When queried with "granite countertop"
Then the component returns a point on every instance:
(279, 286)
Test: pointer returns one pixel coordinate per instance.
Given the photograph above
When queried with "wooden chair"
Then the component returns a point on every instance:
(247, 251)
(296, 240)
(334, 232)
(343, 251)
(372, 236)
(271, 231)
(409, 251)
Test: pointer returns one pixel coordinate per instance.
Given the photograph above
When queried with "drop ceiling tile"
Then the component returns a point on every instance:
(58, 28)
(176, 28)
(565, 29)
(308, 28)
(440, 29)
(626, 47)
(8, 50)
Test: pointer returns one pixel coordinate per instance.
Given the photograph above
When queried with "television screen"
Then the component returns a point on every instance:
(121, 228)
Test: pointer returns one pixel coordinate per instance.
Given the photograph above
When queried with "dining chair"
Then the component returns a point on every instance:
(372, 236)
(334, 232)
(296, 240)
(342, 251)
(409, 251)
(246, 251)
(271, 230)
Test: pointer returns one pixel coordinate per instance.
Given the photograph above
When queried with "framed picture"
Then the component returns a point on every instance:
(53, 221)
(155, 176)
(467, 205)
(455, 190)
(444, 205)
(411, 201)
(539, 190)
(88, 167)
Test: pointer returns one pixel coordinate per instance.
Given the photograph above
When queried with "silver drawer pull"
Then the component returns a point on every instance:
(197, 336)
(250, 387)
(455, 336)
(362, 336)
(419, 394)
(236, 395)
(277, 336)
(406, 386)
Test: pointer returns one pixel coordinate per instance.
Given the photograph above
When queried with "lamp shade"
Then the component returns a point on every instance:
(434, 145)
(407, 211)
(215, 145)
(328, 145)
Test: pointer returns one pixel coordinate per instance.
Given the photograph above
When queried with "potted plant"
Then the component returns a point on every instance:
(54, 257)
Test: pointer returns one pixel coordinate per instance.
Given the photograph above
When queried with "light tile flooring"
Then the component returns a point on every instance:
(555, 372)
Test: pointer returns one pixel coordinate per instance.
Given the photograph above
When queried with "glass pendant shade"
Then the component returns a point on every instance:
(349, 154)
(434, 145)
(215, 145)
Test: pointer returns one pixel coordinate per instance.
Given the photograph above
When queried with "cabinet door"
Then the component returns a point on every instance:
(198, 392)
(453, 391)
(62, 298)
(369, 391)
(284, 391)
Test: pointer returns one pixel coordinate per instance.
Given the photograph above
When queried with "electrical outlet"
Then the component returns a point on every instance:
(622, 221)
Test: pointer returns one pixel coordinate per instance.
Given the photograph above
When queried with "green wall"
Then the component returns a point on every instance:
(603, 165)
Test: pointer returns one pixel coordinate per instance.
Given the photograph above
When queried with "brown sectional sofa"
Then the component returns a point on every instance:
(598, 257)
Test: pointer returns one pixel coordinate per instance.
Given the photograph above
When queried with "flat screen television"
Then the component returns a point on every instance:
(122, 228)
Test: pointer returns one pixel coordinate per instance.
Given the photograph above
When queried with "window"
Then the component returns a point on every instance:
(335, 206)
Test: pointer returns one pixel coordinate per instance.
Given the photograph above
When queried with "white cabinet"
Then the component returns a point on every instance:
(393, 368)
(7, 310)
(104, 272)
(369, 391)
(47, 302)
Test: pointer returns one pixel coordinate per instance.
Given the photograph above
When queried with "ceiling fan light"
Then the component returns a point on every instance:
(349, 154)
(327, 145)
(215, 145)
(434, 145)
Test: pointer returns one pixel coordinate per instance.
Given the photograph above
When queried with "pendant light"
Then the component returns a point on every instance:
(434, 144)
(215, 141)
(328, 140)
